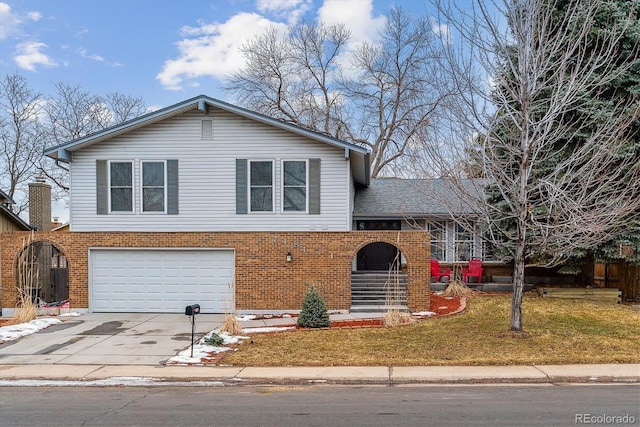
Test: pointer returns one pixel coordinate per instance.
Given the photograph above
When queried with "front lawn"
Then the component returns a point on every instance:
(557, 331)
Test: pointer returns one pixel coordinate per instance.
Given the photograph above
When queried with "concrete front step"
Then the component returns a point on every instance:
(371, 291)
(377, 308)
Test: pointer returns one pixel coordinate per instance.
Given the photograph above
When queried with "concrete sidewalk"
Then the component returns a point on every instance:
(382, 375)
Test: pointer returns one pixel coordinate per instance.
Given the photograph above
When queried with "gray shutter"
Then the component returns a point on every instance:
(102, 188)
(241, 186)
(314, 186)
(172, 187)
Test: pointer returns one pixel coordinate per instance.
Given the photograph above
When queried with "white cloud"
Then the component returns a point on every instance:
(290, 10)
(441, 30)
(34, 16)
(29, 55)
(83, 53)
(356, 15)
(211, 50)
(278, 5)
(10, 21)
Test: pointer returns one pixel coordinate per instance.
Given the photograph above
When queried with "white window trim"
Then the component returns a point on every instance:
(133, 192)
(141, 187)
(273, 186)
(473, 242)
(306, 182)
(445, 226)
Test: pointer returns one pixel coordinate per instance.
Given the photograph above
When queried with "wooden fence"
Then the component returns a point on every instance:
(620, 275)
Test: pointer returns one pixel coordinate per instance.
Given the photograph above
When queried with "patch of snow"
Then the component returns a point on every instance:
(228, 338)
(203, 350)
(13, 332)
(71, 314)
(268, 329)
(246, 317)
(423, 313)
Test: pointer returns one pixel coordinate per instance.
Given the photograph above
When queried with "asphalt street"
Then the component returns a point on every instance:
(322, 405)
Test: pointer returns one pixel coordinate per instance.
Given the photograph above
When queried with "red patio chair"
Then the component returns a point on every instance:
(438, 273)
(474, 270)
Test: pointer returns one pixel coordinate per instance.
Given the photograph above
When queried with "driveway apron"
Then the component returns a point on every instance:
(109, 339)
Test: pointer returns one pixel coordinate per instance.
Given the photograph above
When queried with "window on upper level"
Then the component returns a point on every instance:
(154, 186)
(261, 186)
(294, 186)
(135, 186)
(121, 186)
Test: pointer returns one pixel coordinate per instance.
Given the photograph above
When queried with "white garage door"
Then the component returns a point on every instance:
(162, 281)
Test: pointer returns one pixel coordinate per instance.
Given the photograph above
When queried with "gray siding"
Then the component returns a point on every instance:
(207, 177)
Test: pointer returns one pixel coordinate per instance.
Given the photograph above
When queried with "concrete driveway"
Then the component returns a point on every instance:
(109, 339)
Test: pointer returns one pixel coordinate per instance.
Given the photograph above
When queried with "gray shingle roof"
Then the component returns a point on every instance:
(5, 212)
(396, 197)
(5, 199)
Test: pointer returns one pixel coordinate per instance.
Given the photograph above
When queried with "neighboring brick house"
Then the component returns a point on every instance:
(9, 221)
(206, 202)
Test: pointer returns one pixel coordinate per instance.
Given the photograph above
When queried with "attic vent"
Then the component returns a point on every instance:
(207, 129)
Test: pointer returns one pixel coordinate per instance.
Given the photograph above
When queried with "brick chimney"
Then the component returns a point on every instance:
(40, 204)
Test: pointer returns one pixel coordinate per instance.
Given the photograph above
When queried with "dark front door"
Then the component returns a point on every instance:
(377, 256)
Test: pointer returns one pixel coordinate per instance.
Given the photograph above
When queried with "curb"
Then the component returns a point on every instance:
(104, 375)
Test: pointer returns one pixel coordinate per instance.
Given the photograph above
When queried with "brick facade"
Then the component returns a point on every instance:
(264, 278)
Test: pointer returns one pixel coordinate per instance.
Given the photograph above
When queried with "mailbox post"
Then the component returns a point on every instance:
(192, 310)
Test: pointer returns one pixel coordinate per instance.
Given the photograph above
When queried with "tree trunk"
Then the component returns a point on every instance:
(516, 301)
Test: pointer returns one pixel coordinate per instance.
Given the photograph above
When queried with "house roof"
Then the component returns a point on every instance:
(5, 199)
(416, 198)
(5, 212)
(358, 156)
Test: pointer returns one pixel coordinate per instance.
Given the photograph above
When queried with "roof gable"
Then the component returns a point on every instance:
(358, 156)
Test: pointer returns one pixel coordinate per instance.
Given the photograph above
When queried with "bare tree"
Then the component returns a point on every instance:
(124, 107)
(31, 121)
(382, 95)
(562, 173)
(22, 135)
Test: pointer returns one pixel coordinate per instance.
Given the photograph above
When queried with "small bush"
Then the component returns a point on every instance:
(231, 325)
(314, 311)
(214, 340)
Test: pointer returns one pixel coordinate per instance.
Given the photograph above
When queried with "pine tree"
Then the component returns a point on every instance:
(314, 311)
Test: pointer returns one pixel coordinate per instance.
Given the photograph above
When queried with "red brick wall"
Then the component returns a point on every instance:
(264, 279)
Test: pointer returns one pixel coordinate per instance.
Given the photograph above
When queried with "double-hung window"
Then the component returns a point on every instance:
(463, 243)
(261, 186)
(154, 186)
(121, 186)
(438, 233)
(294, 186)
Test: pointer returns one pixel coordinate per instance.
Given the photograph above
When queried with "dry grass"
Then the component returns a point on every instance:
(557, 332)
(26, 310)
(28, 279)
(231, 325)
(393, 318)
(457, 288)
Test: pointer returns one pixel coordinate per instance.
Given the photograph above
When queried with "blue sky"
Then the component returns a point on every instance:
(164, 51)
